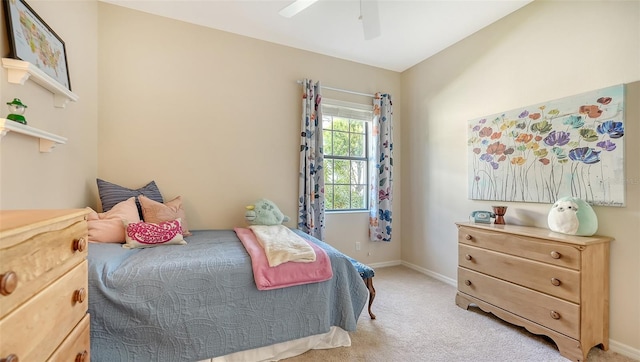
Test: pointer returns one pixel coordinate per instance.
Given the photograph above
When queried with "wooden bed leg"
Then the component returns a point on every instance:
(372, 295)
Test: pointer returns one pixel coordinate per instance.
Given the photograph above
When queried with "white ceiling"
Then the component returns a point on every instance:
(411, 31)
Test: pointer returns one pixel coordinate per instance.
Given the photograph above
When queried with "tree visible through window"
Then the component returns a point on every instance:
(345, 146)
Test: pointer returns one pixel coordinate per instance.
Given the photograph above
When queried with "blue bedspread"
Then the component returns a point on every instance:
(197, 301)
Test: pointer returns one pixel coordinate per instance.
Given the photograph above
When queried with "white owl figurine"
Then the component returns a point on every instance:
(563, 217)
(573, 216)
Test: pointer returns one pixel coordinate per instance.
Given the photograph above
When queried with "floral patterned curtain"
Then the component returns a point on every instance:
(311, 182)
(381, 172)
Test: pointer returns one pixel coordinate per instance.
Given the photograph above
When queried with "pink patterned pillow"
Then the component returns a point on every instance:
(146, 234)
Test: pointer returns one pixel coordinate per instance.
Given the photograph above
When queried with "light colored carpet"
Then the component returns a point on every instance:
(418, 320)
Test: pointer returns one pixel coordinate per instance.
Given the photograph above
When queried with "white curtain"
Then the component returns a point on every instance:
(311, 179)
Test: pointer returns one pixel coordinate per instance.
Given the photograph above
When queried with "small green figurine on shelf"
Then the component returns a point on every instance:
(17, 109)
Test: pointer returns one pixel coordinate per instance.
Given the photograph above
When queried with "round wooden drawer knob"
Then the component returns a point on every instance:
(468, 257)
(80, 245)
(555, 281)
(555, 255)
(82, 357)
(467, 282)
(8, 283)
(10, 358)
(555, 315)
(80, 295)
(468, 237)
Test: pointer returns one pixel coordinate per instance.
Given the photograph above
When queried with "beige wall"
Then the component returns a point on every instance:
(214, 117)
(545, 51)
(175, 107)
(65, 177)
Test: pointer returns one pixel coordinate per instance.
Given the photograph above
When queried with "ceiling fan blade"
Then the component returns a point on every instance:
(295, 7)
(370, 19)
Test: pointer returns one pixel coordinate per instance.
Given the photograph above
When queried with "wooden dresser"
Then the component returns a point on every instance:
(43, 286)
(552, 284)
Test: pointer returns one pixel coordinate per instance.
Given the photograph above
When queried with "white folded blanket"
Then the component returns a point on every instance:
(281, 245)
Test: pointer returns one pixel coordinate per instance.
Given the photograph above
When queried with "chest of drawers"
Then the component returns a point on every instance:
(552, 284)
(43, 285)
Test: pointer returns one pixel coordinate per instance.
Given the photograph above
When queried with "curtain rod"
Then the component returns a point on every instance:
(343, 90)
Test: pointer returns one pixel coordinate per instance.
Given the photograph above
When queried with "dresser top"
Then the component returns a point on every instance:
(539, 233)
(16, 221)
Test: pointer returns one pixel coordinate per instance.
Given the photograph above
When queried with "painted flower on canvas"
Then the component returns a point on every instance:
(568, 147)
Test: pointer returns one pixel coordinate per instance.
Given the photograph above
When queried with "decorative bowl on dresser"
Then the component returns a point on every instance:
(43, 285)
(550, 283)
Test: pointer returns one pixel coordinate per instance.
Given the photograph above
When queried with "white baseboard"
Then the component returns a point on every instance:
(385, 264)
(432, 274)
(624, 350)
(614, 346)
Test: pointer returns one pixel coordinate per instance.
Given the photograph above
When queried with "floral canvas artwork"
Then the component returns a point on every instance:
(572, 146)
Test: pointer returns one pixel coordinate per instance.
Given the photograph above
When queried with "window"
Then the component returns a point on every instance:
(346, 153)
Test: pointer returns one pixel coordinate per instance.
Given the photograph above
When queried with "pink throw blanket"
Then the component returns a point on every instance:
(286, 274)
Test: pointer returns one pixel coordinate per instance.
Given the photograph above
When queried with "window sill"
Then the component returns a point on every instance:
(347, 211)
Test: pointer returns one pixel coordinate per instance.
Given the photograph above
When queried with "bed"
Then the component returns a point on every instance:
(199, 302)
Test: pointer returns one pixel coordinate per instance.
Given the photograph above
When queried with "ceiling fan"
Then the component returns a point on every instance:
(369, 15)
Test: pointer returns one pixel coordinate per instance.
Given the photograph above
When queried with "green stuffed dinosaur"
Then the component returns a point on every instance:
(264, 212)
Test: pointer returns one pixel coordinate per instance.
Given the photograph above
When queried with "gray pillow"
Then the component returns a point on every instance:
(111, 194)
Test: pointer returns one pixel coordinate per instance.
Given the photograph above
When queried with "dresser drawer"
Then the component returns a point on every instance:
(551, 312)
(75, 347)
(557, 281)
(531, 248)
(42, 258)
(35, 329)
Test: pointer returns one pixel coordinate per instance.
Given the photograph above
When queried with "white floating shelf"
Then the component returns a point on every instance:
(19, 71)
(47, 140)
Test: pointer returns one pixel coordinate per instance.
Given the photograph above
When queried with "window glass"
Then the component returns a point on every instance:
(346, 140)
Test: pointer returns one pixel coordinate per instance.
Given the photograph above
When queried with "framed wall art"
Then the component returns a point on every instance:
(572, 146)
(33, 41)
